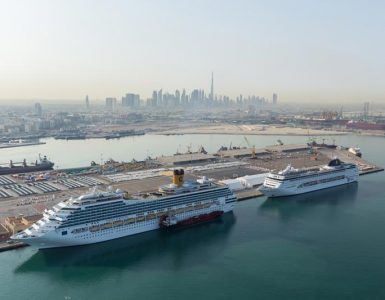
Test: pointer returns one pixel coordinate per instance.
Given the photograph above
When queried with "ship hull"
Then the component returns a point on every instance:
(195, 220)
(18, 170)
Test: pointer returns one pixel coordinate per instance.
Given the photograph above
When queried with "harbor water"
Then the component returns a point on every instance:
(324, 245)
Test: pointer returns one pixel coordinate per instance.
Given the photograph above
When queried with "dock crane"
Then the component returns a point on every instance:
(253, 155)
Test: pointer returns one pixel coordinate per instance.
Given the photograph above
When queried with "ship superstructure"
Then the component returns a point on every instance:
(291, 181)
(101, 216)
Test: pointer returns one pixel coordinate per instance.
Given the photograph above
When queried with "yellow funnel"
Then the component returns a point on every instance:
(178, 177)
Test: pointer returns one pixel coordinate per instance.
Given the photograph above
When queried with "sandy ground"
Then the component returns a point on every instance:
(250, 129)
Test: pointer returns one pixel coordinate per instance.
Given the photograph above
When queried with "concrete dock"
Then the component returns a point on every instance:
(18, 196)
(4, 246)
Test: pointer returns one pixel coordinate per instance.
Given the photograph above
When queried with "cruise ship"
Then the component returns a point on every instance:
(102, 216)
(291, 181)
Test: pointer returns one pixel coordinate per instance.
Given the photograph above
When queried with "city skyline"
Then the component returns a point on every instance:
(306, 52)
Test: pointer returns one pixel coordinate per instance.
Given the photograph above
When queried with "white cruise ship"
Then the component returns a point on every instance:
(293, 181)
(101, 216)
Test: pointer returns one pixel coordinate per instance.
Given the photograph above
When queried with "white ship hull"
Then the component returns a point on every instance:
(54, 238)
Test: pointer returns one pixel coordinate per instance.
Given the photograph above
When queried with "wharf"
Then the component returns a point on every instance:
(248, 194)
(19, 195)
(10, 246)
(364, 166)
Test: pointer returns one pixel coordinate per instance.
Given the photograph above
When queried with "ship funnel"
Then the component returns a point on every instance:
(178, 177)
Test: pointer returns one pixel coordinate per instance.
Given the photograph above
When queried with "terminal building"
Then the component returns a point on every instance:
(183, 159)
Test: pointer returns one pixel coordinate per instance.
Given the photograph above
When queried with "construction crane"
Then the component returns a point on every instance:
(251, 146)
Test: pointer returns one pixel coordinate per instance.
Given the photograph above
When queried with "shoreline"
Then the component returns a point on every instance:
(244, 133)
(251, 130)
(263, 130)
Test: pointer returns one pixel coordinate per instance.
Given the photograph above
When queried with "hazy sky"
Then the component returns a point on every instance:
(303, 50)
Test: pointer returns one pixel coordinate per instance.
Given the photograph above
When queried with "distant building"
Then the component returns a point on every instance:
(160, 98)
(194, 98)
(177, 97)
(366, 111)
(111, 103)
(211, 97)
(275, 98)
(38, 109)
(87, 103)
(183, 99)
(154, 99)
(131, 100)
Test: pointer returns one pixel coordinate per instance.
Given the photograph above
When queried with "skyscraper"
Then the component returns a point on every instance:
(111, 103)
(184, 97)
(154, 99)
(160, 98)
(131, 100)
(275, 98)
(212, 87)
(38, 109)
(366, 110)
(87, 103)
(177, 97)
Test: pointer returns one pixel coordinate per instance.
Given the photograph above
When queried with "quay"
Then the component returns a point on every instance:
(5, 246)
(27, 195)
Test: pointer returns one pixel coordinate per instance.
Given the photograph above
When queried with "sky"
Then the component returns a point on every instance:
(306, 51)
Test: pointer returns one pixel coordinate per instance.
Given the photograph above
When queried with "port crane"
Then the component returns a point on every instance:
(253, 155)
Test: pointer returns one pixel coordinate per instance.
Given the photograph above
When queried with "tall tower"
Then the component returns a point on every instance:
(275, 98)
(366, 110)
(38, 109)
(87, 102)
(212, 87)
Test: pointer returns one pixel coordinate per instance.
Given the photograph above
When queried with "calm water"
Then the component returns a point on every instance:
(325, 245)
(78, 153)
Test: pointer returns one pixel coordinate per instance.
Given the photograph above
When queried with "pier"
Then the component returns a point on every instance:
(31, 194)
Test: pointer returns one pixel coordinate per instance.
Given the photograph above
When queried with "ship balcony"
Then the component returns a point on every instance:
(40, 222)
(62, 215)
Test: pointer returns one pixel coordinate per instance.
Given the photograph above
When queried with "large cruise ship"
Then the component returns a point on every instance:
(292, 181)
(101, 216)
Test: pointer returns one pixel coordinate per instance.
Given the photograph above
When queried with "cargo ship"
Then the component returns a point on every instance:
(363, 125)
(20, 143)
(122, 133)
(101, 216)
(68, 137)
(42, 164)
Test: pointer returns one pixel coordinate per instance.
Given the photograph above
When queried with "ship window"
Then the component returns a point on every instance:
(64, 232)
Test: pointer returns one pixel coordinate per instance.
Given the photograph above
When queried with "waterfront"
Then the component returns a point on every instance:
(327, 244)
(79, 153)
